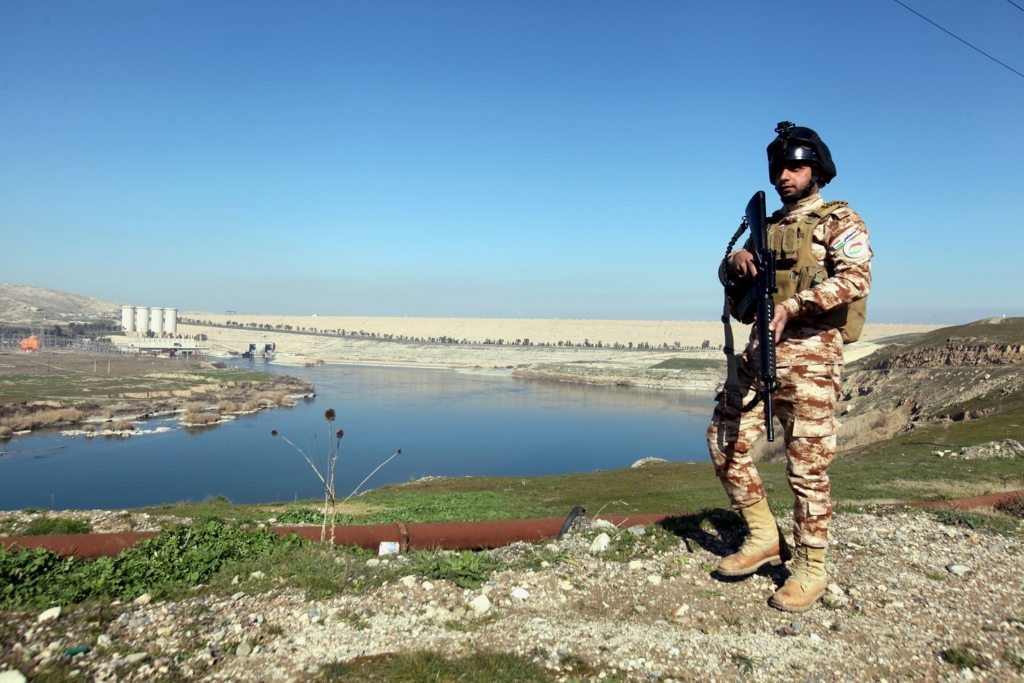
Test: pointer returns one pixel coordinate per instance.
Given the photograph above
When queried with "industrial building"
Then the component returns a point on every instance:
(141, 320)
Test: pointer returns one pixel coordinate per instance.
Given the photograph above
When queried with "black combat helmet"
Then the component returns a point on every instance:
(796, 143)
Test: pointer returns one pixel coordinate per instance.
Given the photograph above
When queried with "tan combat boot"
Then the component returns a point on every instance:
(806, 582)
(762, 545)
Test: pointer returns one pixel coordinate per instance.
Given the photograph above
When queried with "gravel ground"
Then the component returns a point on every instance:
(910, 598)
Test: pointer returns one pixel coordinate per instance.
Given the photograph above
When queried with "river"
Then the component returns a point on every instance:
(447, 423)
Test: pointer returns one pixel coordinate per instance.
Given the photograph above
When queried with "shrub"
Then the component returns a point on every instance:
(273, 398)
(45, 526)
(465, 569)
(963, 657)
(45, 417)
(199, 414)
(170, 563)
(228, 406)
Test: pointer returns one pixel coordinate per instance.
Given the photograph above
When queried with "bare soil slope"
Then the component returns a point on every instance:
(953, 374)
(26, 305)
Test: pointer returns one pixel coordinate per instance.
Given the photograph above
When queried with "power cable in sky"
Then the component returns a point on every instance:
(1015, 5)
(973, 47)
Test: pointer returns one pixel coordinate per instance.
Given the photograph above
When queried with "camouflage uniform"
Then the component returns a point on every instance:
(809, 360)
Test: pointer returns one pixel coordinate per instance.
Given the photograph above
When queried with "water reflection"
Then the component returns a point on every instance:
(446, 423)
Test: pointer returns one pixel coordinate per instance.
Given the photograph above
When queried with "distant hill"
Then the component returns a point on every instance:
(25, 305)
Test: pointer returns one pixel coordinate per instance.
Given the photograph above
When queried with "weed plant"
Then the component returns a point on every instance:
(465, 569)
(963, 657)
(46, 526)
(325, 470)
(416, 667)
(412, 507)
(317, 569)
(655, 540)
(742, 662)
(163, 566)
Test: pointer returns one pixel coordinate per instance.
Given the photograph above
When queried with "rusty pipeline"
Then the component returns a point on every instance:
(408, 536)
(422, 536)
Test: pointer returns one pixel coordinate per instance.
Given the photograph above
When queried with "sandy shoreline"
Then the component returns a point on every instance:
(415, 341)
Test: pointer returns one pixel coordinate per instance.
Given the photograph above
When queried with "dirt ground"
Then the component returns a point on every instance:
(114, 365)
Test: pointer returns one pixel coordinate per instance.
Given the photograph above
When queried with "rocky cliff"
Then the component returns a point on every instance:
(959, 353)
(952, 374)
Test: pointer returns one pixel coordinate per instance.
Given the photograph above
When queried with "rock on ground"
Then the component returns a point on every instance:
(909, 598)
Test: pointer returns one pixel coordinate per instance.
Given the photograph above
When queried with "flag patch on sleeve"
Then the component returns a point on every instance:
(844, 238)
(856, 248)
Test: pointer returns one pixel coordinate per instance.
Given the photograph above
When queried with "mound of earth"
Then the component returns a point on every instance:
(26, 305)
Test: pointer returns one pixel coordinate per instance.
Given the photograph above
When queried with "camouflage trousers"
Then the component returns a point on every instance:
(805, 405)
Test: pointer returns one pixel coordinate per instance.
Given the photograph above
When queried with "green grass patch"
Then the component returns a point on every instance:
(963, 657)
(465, 569)
(662, 487)
(742, 662)
(165, 566)
(104, 379)
(423, 667)
(903, 470)
(46, 526)
(401, 503)
(319, 570)
(215, 508)
(626, 546)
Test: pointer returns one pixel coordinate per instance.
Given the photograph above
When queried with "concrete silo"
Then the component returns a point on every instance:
(171, 321)
(127, 319)
(141, 319)
(156, 320)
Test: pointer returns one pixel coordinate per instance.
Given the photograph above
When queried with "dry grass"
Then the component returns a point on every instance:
(38, 419)
(228, 406)
(200, 419)
(121, 426)
(199, 414)
(274, 397)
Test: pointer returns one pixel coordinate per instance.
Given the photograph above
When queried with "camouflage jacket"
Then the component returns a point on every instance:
(840, 243)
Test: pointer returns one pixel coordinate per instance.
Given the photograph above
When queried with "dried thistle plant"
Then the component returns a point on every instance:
(325, 471)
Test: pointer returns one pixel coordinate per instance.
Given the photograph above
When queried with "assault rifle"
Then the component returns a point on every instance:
(763, 289)
(753, 303)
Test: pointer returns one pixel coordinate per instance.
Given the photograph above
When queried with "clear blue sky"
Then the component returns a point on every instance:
(506, 159)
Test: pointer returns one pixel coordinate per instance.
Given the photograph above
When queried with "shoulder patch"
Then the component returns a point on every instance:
(845, 238)
(857, 247)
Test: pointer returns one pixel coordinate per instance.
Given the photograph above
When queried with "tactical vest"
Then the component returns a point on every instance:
(796, 270)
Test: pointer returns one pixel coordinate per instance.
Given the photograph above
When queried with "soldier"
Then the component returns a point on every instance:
(823, 273)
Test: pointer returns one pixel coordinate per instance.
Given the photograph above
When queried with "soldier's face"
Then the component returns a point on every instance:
(793, 180)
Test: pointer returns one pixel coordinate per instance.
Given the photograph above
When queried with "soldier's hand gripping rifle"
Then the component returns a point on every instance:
(755, 304)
